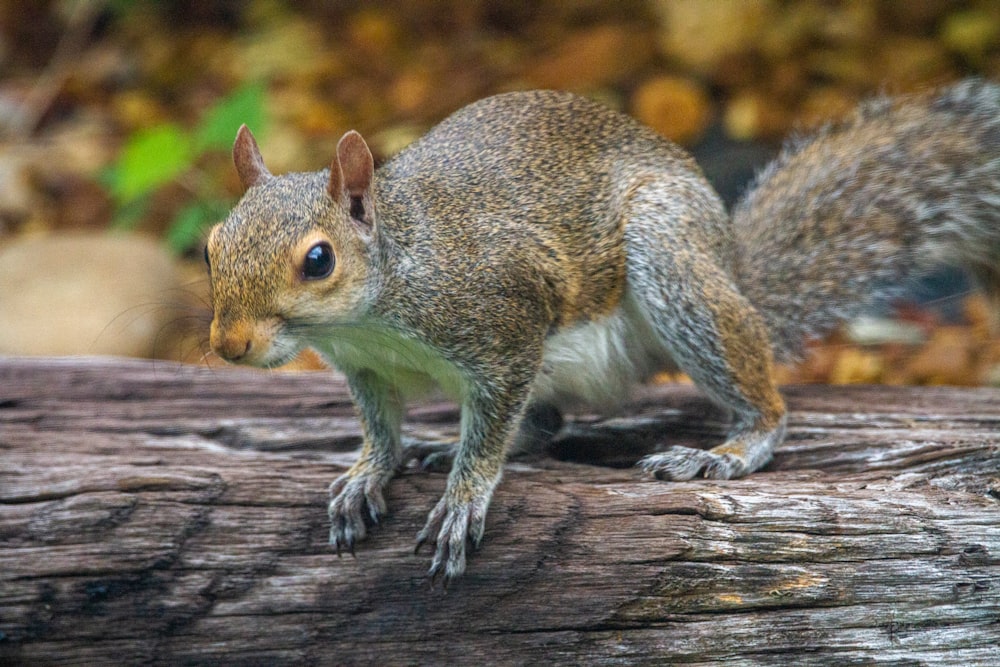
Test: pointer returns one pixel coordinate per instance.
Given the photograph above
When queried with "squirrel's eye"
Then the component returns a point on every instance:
(318, 263)
(207, 263)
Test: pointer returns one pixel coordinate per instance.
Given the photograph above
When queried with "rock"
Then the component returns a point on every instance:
(677, 108)
(87, 294)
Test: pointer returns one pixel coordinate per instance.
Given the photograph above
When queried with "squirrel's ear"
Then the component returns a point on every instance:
(246, 157)
(353, 169)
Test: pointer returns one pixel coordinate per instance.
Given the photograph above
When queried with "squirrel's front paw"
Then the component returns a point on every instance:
(683, 463)
(355, 500)
(451, 526)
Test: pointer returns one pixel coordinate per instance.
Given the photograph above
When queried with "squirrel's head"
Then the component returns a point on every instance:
(292, 257)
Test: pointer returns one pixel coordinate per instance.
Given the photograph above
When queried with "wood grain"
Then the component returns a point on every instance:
(162, 514)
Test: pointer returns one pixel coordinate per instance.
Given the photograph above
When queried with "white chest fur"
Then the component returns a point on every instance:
(599, 362)
(595, 364)
(411, 366)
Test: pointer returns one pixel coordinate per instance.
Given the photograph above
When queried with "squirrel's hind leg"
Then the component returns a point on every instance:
(713, 333)
(540, 424)
(432, 455)
(747, 450)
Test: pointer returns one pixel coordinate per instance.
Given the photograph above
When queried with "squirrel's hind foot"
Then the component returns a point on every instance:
(679, 464)
(745, 452)
(428, 455)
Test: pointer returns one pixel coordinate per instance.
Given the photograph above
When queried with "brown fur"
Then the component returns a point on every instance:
(539, 247)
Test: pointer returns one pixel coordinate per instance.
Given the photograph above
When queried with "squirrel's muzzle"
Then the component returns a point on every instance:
(243, 342)
(231, 343)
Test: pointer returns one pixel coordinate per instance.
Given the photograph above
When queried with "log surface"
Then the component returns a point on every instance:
(161, 514)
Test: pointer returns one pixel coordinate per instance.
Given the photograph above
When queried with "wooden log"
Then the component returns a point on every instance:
(154, 513)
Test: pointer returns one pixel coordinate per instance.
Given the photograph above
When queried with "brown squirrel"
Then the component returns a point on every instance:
(537, 248)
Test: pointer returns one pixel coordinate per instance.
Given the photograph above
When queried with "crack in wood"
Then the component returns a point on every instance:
(130, 529)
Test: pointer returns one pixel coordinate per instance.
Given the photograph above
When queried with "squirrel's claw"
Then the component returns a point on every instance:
(356, 500)
(452, 526)
(683, 463)
(747, 450)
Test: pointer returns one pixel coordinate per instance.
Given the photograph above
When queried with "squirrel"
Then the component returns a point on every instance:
(539, 249)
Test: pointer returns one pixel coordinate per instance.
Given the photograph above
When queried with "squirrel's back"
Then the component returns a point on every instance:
(842, 216)
(520, 148)
(543, 168)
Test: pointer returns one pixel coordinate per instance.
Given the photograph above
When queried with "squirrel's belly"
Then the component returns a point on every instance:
(597, 363)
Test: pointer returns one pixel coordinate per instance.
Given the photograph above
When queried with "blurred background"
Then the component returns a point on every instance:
(117, 117)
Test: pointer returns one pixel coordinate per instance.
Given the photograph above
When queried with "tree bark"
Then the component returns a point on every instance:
(154, 513)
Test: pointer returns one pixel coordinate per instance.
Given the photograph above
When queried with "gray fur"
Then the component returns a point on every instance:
(842, 218)
(537, 246)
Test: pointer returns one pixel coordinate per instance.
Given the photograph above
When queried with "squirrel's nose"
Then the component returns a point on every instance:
(232, 344)
(234, 349)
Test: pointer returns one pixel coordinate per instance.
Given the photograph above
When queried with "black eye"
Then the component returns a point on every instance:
(207, 263)
(319, 262)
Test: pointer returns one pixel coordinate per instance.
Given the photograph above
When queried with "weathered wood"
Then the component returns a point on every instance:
(175, 515)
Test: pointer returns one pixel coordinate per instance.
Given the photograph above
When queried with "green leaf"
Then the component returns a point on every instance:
(151, 158)
(218, 127)
(128, 215)
(190, 223)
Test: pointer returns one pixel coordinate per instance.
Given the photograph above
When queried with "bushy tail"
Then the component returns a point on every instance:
(841, 217)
